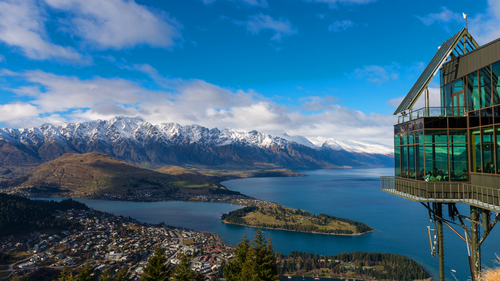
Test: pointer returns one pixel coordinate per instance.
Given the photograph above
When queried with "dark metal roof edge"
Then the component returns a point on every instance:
(436, 62)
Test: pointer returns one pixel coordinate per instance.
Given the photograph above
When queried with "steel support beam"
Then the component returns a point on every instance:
(475, 246)
(439, 218)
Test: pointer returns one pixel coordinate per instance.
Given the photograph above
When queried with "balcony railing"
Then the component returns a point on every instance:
(475, 195)
(456, 111)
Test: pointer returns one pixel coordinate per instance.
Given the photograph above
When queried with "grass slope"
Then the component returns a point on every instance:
(99, 173)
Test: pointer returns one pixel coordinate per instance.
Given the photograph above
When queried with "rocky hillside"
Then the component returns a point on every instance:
(141, 143)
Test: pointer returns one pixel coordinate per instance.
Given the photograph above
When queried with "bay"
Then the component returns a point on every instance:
(349, 193)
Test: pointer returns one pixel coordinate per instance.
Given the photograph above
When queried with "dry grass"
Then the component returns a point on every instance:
(96, 172)
(491, 274)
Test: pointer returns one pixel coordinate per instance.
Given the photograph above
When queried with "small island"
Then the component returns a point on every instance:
(274, 216)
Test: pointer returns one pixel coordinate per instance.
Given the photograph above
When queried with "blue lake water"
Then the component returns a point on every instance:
(350, 193)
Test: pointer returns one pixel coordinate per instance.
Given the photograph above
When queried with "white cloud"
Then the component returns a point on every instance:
(2, 58)
(484, 26)
(257, 3)
(444, 17)
(72, 99)
(22, 26)
(434, 100)
(281, 27)
(12, 111)
(334, 3)
(340, 25)
(118, 24)
(317, 103)
(53, 93)
(377, 73)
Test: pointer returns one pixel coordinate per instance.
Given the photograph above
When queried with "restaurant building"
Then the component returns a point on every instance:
(451, 154)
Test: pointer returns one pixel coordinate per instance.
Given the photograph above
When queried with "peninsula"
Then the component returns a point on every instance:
(274, 216)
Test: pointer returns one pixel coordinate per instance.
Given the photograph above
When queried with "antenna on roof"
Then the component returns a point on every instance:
(466, 23)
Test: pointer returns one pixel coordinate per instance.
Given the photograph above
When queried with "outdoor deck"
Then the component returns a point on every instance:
(443, 192)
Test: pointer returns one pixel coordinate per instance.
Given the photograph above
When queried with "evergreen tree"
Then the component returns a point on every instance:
(85, 273)
(233, 271)
(106, 275)
(264, 263)
(183, 271)
(156, 269)
(17, 278)
(123, 275)
(65, 275)
(253, 261)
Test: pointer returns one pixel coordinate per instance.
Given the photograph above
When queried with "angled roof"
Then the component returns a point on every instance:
(449, 48)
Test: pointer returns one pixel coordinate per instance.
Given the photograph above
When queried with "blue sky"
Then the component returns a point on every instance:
(317, 68)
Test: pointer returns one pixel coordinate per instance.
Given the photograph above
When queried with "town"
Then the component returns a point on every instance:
(108, 241)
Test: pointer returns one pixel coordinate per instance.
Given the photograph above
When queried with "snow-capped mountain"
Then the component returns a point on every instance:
(140, 142)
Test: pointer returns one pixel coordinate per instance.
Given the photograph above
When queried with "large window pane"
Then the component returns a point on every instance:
(411, 138)
(488, 150)
(475, 149)
(457, 86)
(458, 162)
(496, 83)
(472, 91)
(419, 157)
(404, 161)
(485, 86)
(433, 136)
(419, 136)
(404, 139)
(497, 144)
(436, 162)
(411, 162)
(458, 136)
(397, 161)
(396, 140)
(446, 100)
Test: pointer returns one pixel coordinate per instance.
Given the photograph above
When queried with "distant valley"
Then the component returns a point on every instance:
(141, 143)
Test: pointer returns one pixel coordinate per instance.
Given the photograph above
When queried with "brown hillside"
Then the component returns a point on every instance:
(187, 174)
(99, 173)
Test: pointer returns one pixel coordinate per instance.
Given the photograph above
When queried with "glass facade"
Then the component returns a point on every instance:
(495, 82)
(450, 148)
(432, 155)
(472, 92)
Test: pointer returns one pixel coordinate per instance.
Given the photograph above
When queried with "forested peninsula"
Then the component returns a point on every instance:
(275, 216)
(358, 265)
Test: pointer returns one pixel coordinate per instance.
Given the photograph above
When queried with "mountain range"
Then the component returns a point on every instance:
(141, 143)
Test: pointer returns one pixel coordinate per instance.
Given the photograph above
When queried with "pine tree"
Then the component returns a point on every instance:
(106, 275)
(183, 271)
(265, 265)
(232, 272)
(253, 261)
(123, 275)
(156, 269)
(85, 273)
(65, 275)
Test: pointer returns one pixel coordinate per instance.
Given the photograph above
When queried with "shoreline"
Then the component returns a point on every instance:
(243, 204)
(313, 232)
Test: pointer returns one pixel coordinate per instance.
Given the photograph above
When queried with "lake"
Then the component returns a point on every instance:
(350, 193)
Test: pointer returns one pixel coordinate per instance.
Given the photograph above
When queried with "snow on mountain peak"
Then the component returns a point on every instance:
(139, 131)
